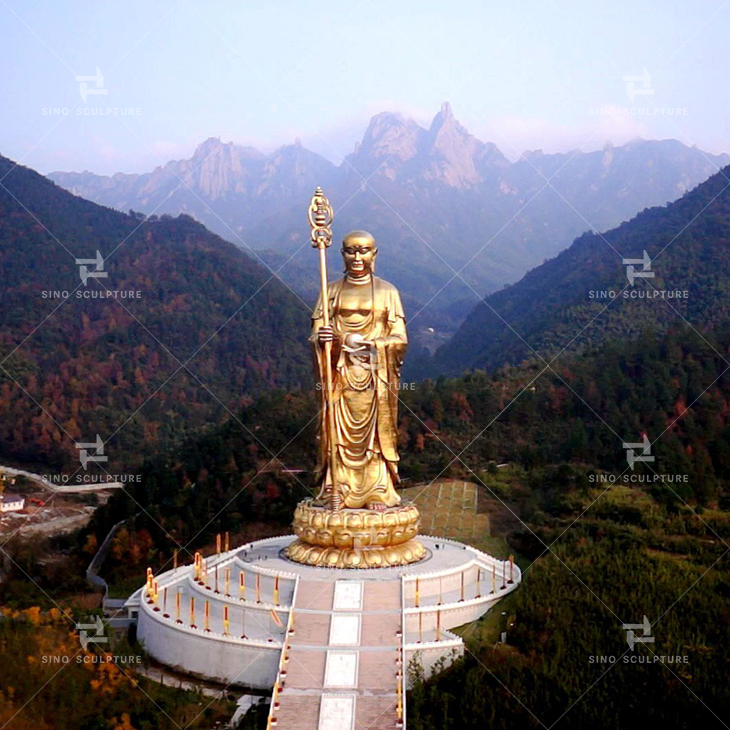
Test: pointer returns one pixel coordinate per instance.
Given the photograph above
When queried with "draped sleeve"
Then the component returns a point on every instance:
(390, 350)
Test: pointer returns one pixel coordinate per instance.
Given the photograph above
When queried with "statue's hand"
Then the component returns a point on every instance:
(326, 334)
(354, 341)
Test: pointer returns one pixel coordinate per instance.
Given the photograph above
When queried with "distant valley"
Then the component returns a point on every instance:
(583, 297)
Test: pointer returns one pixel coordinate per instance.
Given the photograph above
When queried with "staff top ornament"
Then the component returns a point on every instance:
(320, 219)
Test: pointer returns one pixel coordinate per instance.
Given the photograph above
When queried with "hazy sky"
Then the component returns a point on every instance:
(523, 74)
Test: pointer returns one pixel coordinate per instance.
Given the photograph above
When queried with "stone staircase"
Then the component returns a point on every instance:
(342, 666)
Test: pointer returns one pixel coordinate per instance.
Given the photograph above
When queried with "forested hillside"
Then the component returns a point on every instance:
(561, 303)
(674, 390)
(614, 557)
(205, 329)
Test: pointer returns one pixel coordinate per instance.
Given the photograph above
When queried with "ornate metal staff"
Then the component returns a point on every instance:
(320, 220)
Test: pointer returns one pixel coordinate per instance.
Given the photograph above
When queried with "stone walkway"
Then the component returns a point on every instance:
(342, 672)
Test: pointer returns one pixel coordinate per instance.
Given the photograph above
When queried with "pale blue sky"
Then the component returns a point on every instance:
(520, 74)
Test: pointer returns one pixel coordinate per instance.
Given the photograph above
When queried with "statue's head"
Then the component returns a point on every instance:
(359, 253)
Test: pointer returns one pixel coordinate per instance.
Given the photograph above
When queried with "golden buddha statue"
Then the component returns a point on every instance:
(356, 520)
(368, 336)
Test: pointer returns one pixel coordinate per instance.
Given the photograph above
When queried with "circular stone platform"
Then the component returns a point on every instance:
(231, 624)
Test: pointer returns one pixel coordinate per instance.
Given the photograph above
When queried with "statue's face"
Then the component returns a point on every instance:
(359, 257)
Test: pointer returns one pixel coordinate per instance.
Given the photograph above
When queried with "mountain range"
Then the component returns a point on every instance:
(455, 219)
(585, 296)
(177, 329)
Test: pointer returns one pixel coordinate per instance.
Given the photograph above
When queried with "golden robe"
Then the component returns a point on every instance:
(365, 404)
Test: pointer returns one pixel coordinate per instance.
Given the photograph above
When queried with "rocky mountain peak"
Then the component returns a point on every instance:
(208, 147)
(389, 140)
(397, 147)
(295, 161)
(217, 167)
(444, 118)
(453, 152)
(224, 150)
(386, 126)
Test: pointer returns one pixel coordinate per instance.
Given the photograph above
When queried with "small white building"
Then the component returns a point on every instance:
(11, 503)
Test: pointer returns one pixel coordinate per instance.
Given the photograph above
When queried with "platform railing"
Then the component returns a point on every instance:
(281, 673)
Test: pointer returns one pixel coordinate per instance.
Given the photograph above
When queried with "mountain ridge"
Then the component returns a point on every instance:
(438, 199)
(688, 242)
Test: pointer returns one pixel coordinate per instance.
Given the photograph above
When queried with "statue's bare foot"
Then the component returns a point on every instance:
(378, 506)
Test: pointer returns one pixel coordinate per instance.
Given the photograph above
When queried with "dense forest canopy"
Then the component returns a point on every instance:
(208, 329)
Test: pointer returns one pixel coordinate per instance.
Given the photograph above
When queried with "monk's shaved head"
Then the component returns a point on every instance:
(358, 238)
(359, 253)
